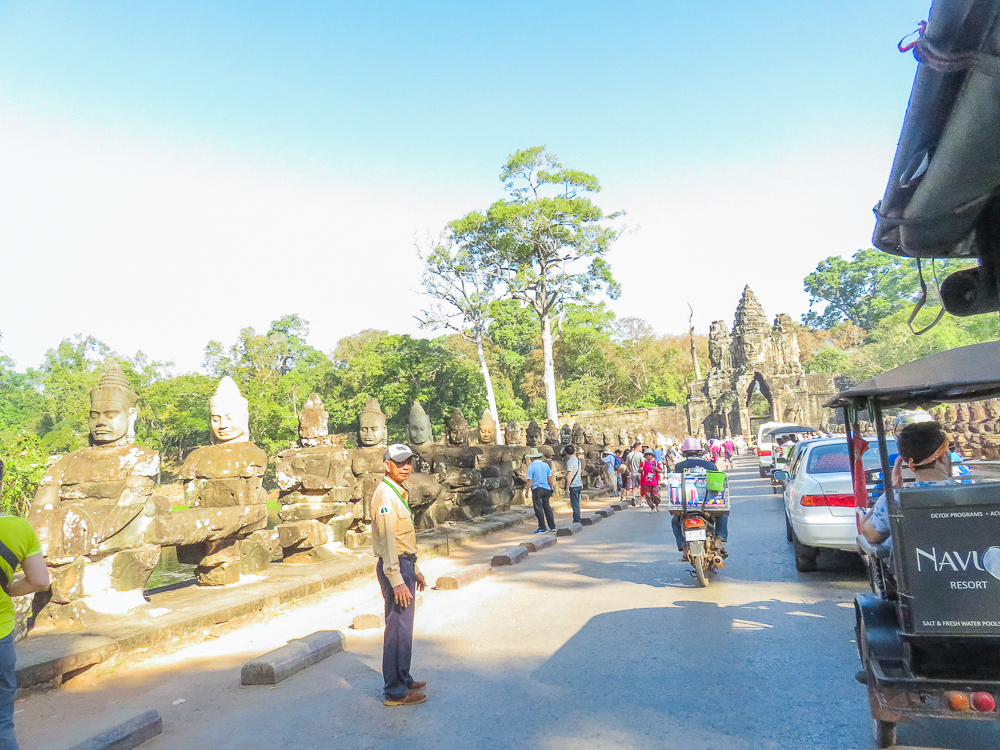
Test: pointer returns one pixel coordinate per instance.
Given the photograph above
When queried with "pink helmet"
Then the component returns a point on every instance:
(691, 444)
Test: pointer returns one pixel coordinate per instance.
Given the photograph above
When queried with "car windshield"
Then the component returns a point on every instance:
(832, 458)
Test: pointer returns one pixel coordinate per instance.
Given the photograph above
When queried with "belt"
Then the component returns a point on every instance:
(408, 556)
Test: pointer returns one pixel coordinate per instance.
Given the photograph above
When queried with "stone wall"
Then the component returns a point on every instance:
(671, 421)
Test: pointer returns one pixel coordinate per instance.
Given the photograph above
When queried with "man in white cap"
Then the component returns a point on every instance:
(394, 542)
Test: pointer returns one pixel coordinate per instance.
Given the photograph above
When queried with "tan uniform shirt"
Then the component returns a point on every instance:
(393, 533)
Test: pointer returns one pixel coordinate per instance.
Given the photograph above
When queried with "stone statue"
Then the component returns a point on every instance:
(565, 435)
(92, 507)
(418, 427)
(227, 474)
(371, 426)
(607, 437)
(512, 433)
(316, 485)
(487, 429)
(458, 430)
(623, 437)
(578, 434)
(533, 434)
(551, 433)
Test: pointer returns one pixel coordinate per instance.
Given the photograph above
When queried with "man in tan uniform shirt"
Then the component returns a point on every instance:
(394, 542)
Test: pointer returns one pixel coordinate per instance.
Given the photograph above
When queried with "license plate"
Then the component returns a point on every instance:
(698, 535)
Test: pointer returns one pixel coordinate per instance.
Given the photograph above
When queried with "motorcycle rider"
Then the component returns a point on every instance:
(693, 459)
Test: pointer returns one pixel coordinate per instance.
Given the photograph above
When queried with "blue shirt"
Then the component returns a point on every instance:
(658, 454)
(611, 462)
(539, 473)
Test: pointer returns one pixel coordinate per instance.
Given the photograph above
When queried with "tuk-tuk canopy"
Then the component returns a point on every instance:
(968, 373)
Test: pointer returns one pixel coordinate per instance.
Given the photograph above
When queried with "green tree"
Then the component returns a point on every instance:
(546, 241)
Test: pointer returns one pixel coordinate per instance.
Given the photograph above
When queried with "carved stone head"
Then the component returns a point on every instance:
(112, 410)
(418, 426)
(551, 433)
(622, 436)
(992, 407)
(512, 433)
(565, 434)
(371, 425)
(458, 430)
(314, 422)
(230, 414)
(533, 435)
(589, 434)
(487, 429)
(608, 437)
(963, 413)
(578, 435)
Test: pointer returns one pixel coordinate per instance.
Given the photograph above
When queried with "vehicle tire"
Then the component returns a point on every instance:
(885, 733)
(775, 490)
(805, 557)
(763, 474)
(698, 562)
(788, 529)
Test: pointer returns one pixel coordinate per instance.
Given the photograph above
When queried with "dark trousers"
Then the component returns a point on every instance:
(543, 511)
(574, 502)
(8, 691)
(397, 647)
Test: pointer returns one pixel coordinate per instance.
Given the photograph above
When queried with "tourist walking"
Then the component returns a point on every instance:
(621, 469)
(539, 484)
(19, 545)
(574, 481)
(635, 459)
(728, 449)
(394, 542)
(650, 481)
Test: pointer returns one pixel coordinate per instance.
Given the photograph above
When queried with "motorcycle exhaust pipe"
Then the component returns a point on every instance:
(718, 561)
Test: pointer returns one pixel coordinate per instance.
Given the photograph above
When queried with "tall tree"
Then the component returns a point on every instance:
(547, 242)
(464, 293)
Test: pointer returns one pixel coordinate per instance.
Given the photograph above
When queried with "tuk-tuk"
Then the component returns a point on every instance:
(929, 634)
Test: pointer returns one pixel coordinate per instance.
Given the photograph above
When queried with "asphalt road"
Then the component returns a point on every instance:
(602, 641)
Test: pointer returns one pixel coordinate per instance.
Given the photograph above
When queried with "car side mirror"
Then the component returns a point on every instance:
(781, 475)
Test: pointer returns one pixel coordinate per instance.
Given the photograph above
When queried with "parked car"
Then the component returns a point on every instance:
(819, 498)
(765, 444)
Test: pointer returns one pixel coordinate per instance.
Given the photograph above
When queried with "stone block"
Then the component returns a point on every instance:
(367, 622)
(125, 733)
(463, 577)
(569, 529)
(619, 506)
(358, 539)
(322, 553)
(202, 524)
(591, 520)
(67, 581)
(132, 567)
(539, 542)
(303, 534)
(605, 512)
(511, 556)
(220, 575)
(221, 552)
(257, 550)
(282, 663)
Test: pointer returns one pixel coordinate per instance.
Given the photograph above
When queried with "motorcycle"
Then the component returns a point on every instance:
(701, 545)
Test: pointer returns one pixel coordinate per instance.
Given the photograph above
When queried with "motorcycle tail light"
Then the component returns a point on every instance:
(957, 701)
(694, 523)
(983, 702)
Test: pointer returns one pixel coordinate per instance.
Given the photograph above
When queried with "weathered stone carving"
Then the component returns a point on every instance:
(487, 429)
(418, 427)
(91, 511)
(512, 433)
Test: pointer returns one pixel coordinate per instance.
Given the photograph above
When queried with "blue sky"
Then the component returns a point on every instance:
(228, 163)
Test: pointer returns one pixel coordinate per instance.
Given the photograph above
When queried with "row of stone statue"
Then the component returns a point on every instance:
(102, 524)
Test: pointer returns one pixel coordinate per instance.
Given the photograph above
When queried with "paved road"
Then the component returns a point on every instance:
(602, 641)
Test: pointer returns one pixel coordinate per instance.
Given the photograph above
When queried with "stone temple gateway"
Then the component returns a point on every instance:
(756, 357)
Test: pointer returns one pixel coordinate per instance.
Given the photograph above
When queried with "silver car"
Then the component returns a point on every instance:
(819, 497)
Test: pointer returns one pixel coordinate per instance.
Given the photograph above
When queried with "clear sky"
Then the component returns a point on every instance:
(174, 172)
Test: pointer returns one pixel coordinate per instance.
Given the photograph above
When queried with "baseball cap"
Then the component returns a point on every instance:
(397, 452)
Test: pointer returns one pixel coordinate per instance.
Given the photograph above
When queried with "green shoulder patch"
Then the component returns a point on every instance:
(383, 510)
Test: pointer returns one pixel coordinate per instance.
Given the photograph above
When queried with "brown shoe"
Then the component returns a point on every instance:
(418, 685)
(411, 699)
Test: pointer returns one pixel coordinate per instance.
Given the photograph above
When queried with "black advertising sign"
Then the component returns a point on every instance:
(951, 558)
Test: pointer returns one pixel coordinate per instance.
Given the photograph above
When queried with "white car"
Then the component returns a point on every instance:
(819, 497)
(765, 445)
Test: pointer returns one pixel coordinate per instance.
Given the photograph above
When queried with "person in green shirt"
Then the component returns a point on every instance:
(18, 546)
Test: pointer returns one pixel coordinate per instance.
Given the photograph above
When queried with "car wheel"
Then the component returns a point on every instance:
(763, 474)
(805, 557)
(788, 529)
(885, 733)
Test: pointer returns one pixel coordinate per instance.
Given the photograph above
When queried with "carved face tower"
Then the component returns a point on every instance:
(112, 409)
(371, 425)
(418, 426)
(230, 414)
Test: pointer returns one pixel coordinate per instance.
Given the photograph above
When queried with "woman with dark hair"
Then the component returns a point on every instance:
(923, 449)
